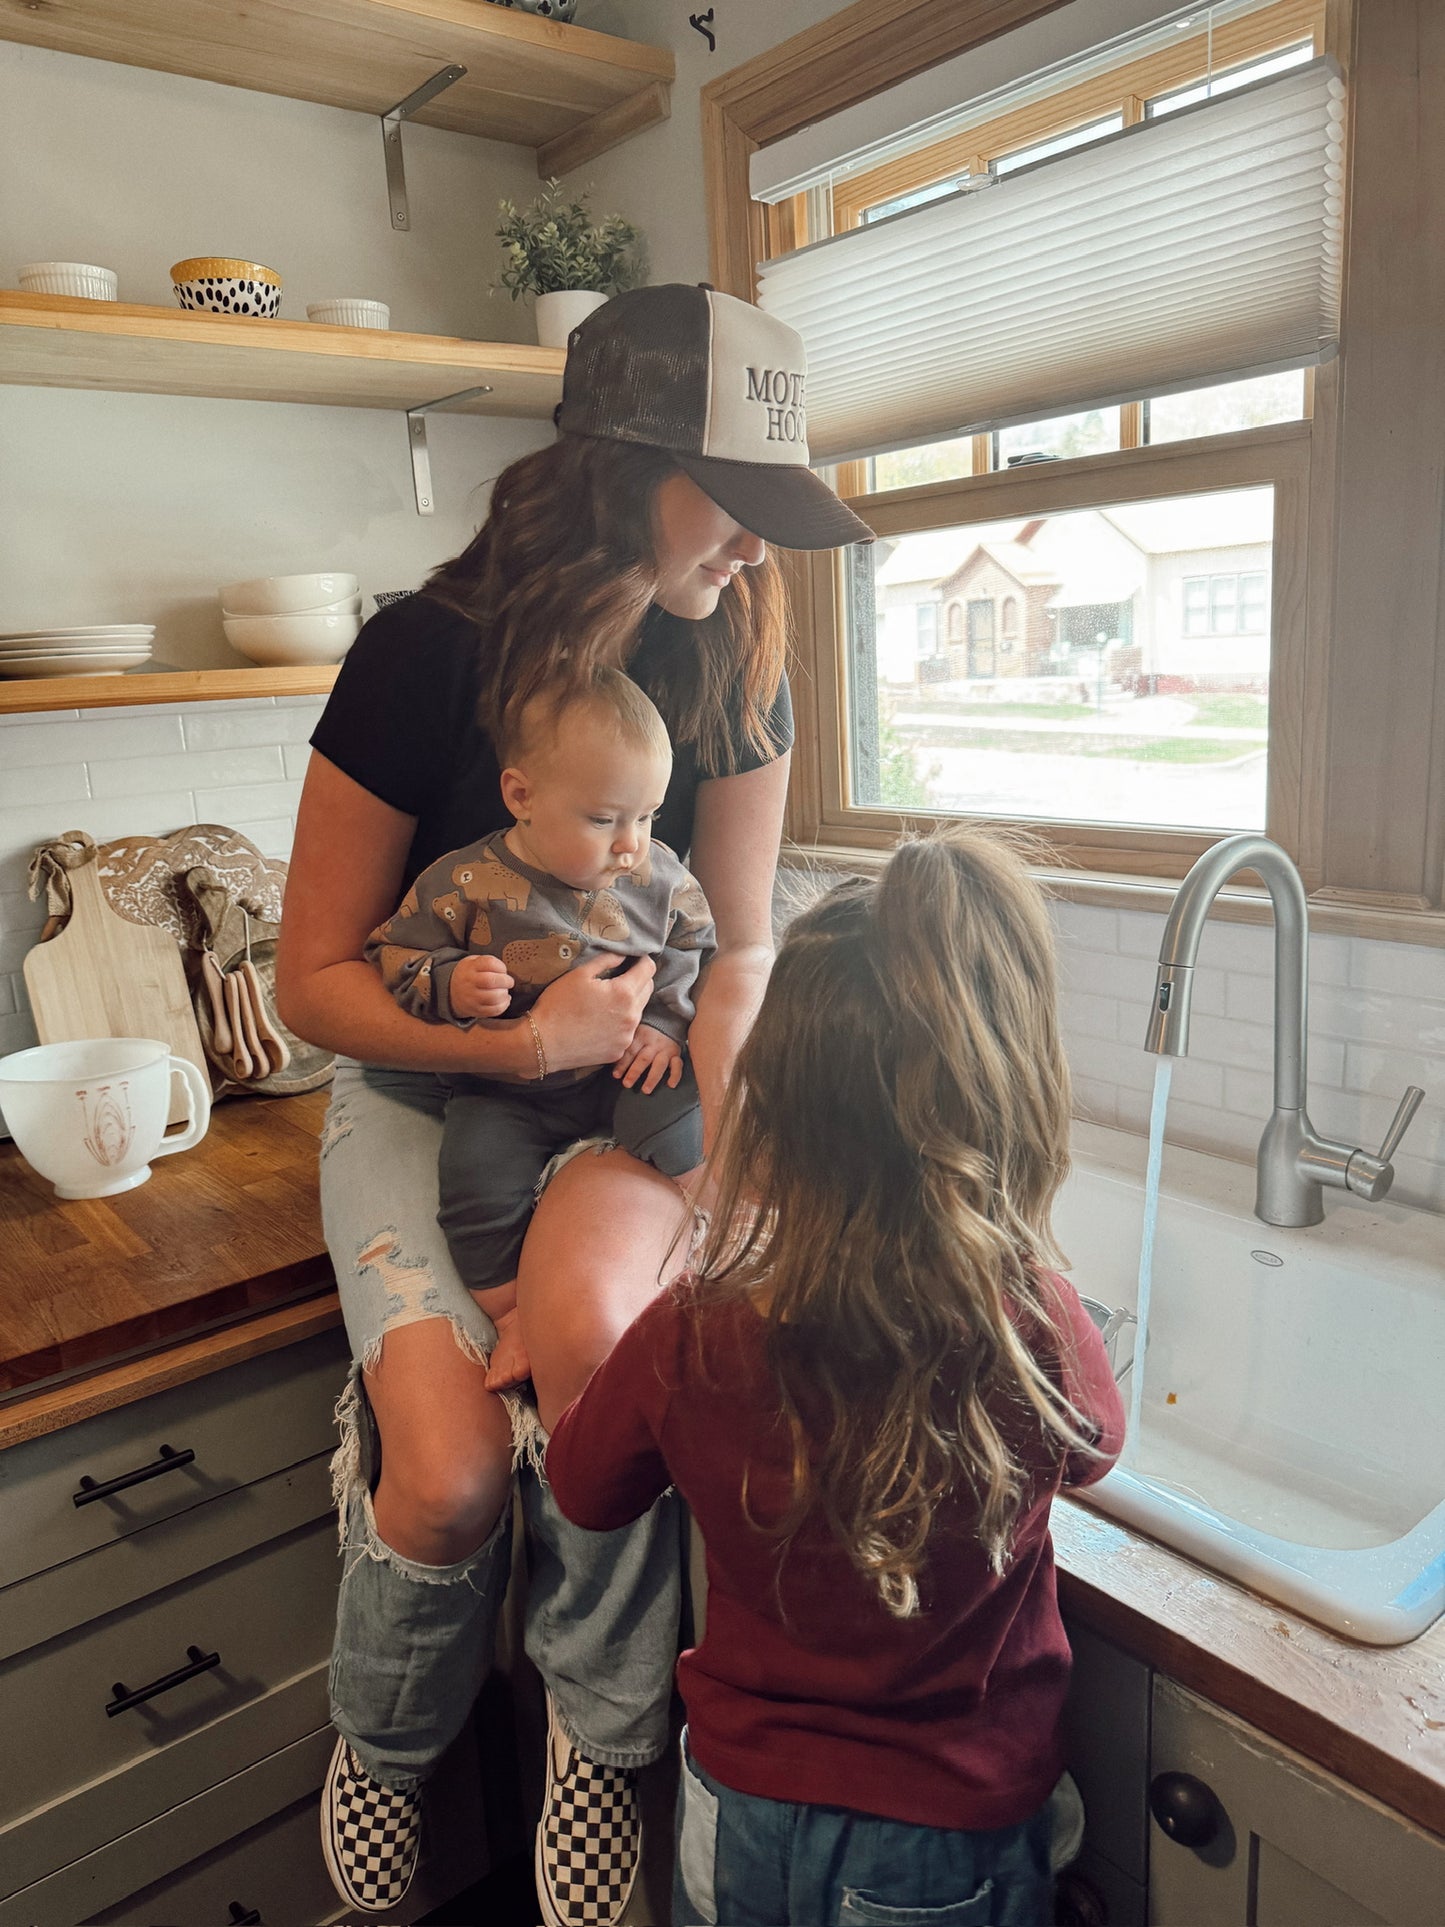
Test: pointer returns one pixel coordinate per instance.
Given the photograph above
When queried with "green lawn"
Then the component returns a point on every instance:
(1052, 712)
(1138, 749)
(1224, 711)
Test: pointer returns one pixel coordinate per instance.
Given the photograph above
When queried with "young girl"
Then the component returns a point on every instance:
(869, 1395)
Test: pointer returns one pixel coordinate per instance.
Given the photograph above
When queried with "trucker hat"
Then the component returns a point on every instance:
(723, 388)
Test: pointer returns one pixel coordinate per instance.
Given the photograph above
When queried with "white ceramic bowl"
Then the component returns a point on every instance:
(222, 285)
(350, 312)
(276, 640)
(285, 595)
(343, 606)
(69, 277)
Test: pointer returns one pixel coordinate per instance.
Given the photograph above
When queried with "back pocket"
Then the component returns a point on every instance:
(861, 1910)
(697, 1847)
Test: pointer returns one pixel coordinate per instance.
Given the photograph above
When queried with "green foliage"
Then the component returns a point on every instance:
(555, 245)
(899, 785)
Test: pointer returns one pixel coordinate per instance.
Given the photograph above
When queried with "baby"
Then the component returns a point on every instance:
(483, 931)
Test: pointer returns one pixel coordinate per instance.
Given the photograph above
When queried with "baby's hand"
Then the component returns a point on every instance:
(508, 1363)
(480, 987)
(650, 1057)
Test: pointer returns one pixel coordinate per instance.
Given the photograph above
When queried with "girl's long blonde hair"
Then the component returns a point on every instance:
(561, 574)
(901, 1111)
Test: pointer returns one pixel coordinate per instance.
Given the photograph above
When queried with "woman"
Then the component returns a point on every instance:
(638, 541)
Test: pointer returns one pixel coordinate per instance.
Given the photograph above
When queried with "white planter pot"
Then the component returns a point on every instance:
(559, 314)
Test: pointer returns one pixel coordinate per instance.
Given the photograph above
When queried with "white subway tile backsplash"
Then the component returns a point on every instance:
(1401, 969)
(238, 727)
(272, 836)
(1094, 1101)
(297, 756)
(44, 782)
(1085, 1015)
(10, 987)
(204, 768)
(17, 1032)
(1082, 923)
(94, 737)
(247, 799)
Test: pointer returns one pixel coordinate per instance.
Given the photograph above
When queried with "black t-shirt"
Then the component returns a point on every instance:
(402, 722)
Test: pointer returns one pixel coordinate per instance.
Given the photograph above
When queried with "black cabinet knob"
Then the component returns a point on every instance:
(1186, 1809)
(1078, 1902)
(242, 1916)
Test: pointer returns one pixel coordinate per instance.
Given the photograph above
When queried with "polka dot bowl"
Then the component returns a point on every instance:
(223, 286)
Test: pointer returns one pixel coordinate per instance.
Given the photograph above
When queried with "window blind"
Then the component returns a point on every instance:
(1198, 248)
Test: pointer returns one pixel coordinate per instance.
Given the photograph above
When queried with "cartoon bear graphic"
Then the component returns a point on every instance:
(535, 962)
(452, 910)
(408, 906)
(484, 880)
(397, 964)
(606, 920)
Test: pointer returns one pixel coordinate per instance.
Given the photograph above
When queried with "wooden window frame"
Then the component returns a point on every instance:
(1357, 753)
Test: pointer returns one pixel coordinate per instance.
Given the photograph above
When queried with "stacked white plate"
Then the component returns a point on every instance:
(103, 649)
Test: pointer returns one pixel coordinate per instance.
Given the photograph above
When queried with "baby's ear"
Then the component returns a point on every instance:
(516, 793)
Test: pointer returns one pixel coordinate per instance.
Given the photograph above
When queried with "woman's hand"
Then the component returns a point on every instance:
(588, 1017)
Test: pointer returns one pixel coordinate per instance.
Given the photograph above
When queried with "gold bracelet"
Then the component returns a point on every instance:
(541, 1054)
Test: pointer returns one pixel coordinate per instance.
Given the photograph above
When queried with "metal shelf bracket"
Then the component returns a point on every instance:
(416, 435)
(391, 139)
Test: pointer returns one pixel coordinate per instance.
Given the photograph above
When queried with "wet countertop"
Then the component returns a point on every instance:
(220, 1257)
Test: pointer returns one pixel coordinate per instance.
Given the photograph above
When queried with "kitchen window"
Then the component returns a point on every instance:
(1354, 777)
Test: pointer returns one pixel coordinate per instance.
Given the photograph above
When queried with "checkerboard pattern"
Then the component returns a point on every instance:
(370, 1835)
(589, 1842)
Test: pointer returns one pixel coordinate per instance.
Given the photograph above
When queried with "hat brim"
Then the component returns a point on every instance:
(783, 504)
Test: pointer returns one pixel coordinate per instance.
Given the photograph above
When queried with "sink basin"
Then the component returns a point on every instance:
(1293, 1429)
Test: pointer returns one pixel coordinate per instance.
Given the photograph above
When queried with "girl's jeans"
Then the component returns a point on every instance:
(750, 1862)
(414, 1642)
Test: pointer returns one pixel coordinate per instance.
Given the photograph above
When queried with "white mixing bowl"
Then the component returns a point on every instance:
(284, 595)
(297, 639)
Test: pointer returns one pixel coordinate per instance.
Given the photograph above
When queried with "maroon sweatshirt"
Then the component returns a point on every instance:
(805, 1688)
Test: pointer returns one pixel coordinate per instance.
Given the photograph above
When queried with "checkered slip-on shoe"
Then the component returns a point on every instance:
(369, 1835)
(589, 1841)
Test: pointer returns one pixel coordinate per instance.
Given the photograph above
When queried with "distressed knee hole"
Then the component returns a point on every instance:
(337, 1125)
(411, 1291)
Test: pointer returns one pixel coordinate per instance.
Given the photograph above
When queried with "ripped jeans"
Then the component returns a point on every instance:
(414, 1642)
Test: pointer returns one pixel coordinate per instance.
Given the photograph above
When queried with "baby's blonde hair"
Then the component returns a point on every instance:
(895, 1130)
(606, 700)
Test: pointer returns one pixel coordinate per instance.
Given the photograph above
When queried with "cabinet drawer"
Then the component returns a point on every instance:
(240, 1424)
(273, 1875)
(268, 1614)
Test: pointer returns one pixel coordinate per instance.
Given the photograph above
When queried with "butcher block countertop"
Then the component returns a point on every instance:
(220, 1257)
(229, 1229)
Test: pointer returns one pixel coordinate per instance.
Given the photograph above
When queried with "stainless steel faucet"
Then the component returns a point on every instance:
(1294, 1162)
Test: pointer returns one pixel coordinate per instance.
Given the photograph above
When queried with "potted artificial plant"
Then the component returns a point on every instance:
(570, 262)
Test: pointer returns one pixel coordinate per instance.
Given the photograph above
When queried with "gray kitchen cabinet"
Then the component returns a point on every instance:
(1106, 1736)
(1276, 1841)
(223, 1570)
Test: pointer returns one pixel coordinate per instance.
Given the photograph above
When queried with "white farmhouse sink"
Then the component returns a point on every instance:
(1293, 1431)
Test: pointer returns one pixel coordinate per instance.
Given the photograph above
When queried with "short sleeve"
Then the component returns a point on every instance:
(404, 689)
(777, 728)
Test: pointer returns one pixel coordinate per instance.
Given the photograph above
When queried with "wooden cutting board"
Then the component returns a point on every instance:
(105, 977)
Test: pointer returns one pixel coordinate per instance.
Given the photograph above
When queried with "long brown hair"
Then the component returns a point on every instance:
(561, 574)
(901, 1111)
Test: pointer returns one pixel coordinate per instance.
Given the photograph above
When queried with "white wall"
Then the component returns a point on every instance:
(132, 507)
(135, 507)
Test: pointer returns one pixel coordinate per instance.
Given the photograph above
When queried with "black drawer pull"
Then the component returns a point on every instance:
(169, 1461)
(199, 1663)
(240, 1916)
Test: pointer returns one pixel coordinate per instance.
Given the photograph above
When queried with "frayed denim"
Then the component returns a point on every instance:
(414, 1642)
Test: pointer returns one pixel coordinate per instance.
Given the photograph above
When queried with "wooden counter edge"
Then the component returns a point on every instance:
(137, 1378)
(1363, 1713)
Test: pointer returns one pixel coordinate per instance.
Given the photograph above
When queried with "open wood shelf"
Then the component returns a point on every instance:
(56, 341)
(31, 695)
(568, 93)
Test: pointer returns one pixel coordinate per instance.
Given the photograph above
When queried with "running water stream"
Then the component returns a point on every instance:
(1163, 1072)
